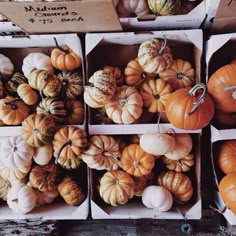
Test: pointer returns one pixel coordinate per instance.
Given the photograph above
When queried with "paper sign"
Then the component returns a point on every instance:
(58, 17)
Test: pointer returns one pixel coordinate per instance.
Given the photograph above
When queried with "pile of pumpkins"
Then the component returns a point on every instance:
(128, 167)
(139, 8)
(45, 100)
(151, 84)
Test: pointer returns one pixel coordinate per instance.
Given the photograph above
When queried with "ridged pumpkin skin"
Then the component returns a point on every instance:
(52, 107)
(116, 187)
(178, 184)
(68, 144)
(117, 73)
(135, 161)
(155, 93)
(227, 189)
(45, 178)
(101, 90)
(71, 192)
(153, 56)
(180, 74)
(75, 112)
(164, 7)
(13, 110)
(102, 153)
(6, 66)
(179, 105)
(125, 106)
(226, 157)
(221, 87)
(27, 94)
(38, 130)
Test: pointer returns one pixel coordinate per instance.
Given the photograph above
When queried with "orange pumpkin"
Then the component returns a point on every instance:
(190, 109)
(27, 94)
(221, 86)
(155, 93)
(13, 110)
(180, 74)
(64, 58)
(125, 106)
(227, 189)
(118, 75)
(116, 187)
(68, 143)
(38, 130)
(226, 157)
(135, 161)
(75, 112)
(178, 184)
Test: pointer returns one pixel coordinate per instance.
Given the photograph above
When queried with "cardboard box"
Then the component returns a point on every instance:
(62, 16)
(117, 49)
(16, 48)
(135, 209)
(220, 50)
(192, 20)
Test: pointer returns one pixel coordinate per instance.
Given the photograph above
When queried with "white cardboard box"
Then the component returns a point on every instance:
(117, 49)
(16, 48)
(192, 20)
(220, 50)
(134, 209)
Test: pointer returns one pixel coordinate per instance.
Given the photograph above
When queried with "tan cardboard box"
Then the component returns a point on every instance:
(220, 50)
(117, 49)
(16, 48)
(135, 209)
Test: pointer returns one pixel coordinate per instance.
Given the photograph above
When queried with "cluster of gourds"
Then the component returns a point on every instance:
(152, 83)
(129, 8)
(46, 85)
(45, 99)
(127, 168)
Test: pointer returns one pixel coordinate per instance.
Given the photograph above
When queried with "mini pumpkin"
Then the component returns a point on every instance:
(190, 109)
(43, 155)
(140, 183)
(102, 153)
(45, 177)
(180, 74)
(154, 55)
(178, 184)
(15, 152)
(69, 142)
(13, 110)
(182, 165)
(27, 94)
(6, 66)
(135, 161)
(75, 112)
(119, 77)
(64, 58)
(125, 106)
(72, 84)
(116, 187)
(38, 130)
(155, 93)
(101, 89)
(52, 107)
(38, 61)
(164, 7)
(70, 191)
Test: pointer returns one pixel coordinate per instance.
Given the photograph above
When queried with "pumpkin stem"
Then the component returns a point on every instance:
(61, 48)
(181, 75)
(12, 104)
(192, 92)
(122, 101)
(161, 50)
(68, 142)
(143, 77)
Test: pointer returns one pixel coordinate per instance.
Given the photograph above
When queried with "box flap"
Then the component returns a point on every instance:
(224, 134)
(63, 16)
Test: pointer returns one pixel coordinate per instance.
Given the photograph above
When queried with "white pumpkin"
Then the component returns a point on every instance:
(36, 60)
(15, 153)
(21, 198)
(126, 8)
(42, 155)
(157, 198)
(157, 144)
(14, 174)
(6, 66)
(183, 146)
